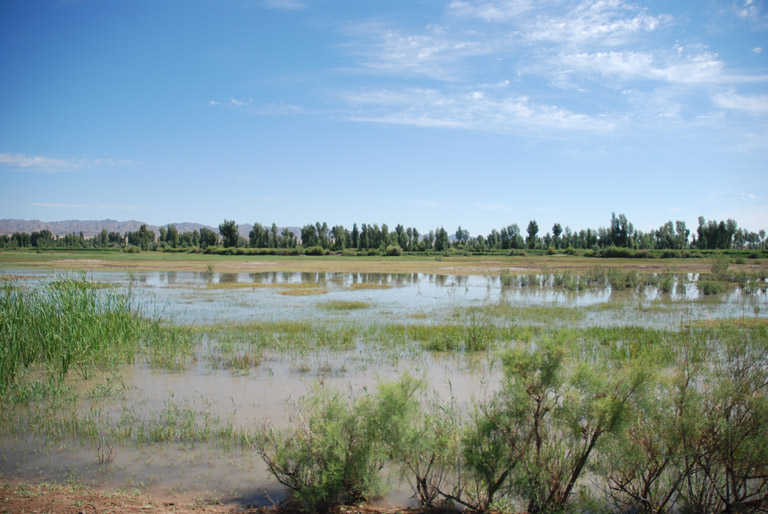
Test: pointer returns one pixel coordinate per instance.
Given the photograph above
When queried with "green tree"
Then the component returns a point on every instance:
(533, 229)
(172, 236)
(442, 243)
(257, 237)
(556, 231)
(309, 236)
(228, 231)
(208, 238)
(288, 239)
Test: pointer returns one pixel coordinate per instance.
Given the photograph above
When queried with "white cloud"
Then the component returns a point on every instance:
(24, 162)
(754, 104)
(84, 206)
(36, 162)
(748, 9)
(702, 68)
(432, 53)
(495, 11)
(758, 50)
(470, 110)
(609, 22)
(425, 203)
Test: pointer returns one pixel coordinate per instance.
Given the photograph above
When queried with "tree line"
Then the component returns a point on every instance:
(620, 233)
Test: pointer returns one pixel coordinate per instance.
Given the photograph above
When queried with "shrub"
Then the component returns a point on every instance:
(314, 250)
(551, 250)
(131, 249)
(667, 283)
(394, 251)
(615, 252)
(709, 287)
(670, 254)
(720, 266)
(570, 250)
(331, 456)
(507, 279)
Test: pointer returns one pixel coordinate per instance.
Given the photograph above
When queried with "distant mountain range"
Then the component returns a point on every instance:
(90, 228)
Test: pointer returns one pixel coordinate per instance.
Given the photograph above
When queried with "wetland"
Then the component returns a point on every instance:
(188, 379)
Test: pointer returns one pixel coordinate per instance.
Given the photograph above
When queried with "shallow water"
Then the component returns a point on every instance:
(205, 298)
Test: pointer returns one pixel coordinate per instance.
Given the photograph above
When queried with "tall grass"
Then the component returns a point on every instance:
(73, 324)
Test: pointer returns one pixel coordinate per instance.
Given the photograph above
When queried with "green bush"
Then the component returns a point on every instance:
(131, 249)
(709, 287)
(720, 265)
(314, 250)
(615, 252)
(551, 250)
(394, 251)
(331, 456)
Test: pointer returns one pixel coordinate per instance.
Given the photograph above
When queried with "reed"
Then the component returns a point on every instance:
(73, 324)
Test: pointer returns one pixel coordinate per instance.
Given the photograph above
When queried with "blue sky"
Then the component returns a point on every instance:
(479, 113)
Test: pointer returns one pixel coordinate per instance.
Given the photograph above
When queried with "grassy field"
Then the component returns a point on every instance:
(441, 265)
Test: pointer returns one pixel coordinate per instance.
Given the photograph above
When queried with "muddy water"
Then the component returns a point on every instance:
(269, 392)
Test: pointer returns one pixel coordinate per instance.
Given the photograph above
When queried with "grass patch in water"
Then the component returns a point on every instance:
(361, 286)
(747, 323)
(528, 314)
(343, 305)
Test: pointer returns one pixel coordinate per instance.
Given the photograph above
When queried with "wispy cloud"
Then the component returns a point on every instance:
(473, 109)
(491, 11)
(266, 109)
(676, 67)
(749, 9)
(37, 162)
(610, 52)
(22, 162)
(754, 104)
(607, 22)
(99, 206)
(434, 52)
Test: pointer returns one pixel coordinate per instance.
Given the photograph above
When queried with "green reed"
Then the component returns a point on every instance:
(73, 324)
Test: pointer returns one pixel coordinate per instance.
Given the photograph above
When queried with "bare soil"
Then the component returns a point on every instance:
(23, 497)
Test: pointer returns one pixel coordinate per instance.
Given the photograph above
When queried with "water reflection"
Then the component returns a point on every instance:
(201, 297)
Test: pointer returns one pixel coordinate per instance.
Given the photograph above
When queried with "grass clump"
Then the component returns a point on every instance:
(710, 287)
(344, 305)
(72, 324)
